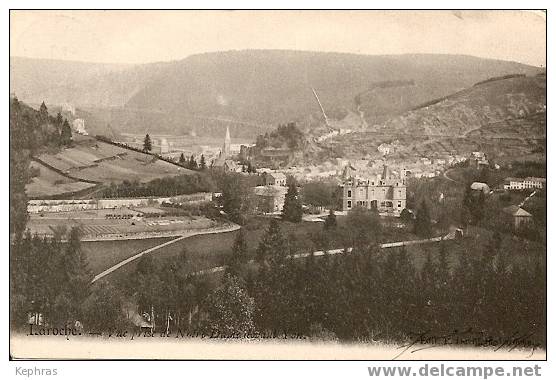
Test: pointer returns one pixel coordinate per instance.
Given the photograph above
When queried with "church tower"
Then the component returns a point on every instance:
(227, 144)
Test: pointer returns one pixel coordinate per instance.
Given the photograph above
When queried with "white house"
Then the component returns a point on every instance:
(512, 183)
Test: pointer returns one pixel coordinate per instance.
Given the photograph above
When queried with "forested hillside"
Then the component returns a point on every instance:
(30, 131)
(78, 83)
(252, 89)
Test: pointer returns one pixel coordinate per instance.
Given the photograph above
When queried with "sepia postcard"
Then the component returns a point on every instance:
(278, 184)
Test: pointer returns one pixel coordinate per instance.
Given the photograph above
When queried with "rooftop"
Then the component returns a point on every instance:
(270, 191)
(277, 175)
(516, 211)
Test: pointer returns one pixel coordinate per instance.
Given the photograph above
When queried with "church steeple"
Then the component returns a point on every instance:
(227, 143)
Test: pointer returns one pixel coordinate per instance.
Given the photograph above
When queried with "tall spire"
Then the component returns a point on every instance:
(227, 143)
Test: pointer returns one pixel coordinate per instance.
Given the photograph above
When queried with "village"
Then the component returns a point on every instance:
(374, 184)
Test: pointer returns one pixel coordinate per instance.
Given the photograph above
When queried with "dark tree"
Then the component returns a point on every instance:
(65, 134)
(147, 143)
(230, 311)
(406, 215)
(103, 308)
(251, 168)
(43, 113)
(182, 160)
(239, 257)
(484, 175)
(423, 225)
(330, 221)
(231, 198)
(59, 121)
(272, 246)
(236, 198)
(77, 269)
(293, 211)
(479, 208)
(203, 163)
(319, 193)
(364, 229)
(192, 163)
(468, 206)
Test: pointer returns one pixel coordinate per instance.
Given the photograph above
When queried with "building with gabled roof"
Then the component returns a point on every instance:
(230, 166)
(275, 178)
(520, 217)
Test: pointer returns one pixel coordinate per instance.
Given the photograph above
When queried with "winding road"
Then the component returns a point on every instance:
(450, 236)
(445, 174)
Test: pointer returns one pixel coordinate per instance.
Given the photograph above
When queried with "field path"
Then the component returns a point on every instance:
(450, 236)
(445, 174)
(186, 235)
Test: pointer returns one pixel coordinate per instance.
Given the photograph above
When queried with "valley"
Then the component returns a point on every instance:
(246, 160)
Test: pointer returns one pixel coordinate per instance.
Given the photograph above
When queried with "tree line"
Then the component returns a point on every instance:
(30, 131)
(50, 282)
(166, 186)
(35, 130)
(365, 295)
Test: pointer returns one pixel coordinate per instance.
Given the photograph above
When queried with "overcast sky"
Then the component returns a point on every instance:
(151, 36)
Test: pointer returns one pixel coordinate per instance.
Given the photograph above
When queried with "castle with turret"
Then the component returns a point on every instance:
(385, 193)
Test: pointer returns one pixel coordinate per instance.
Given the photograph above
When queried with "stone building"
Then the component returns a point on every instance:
(270, 199)
(278, 179)
(386, 193)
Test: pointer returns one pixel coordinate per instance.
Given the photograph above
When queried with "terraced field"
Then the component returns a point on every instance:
(97, 161)
(50, 183)
(505, 118)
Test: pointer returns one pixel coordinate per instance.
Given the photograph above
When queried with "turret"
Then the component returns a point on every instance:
(385, 173)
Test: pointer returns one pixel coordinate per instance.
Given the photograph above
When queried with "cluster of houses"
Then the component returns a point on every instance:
(479, 159)
(518, 216)
(385, 192)
(521, 217)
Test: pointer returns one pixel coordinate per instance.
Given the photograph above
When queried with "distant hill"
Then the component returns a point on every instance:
(78, 83)
(505, 116)
(481, 105)
(252, 91)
